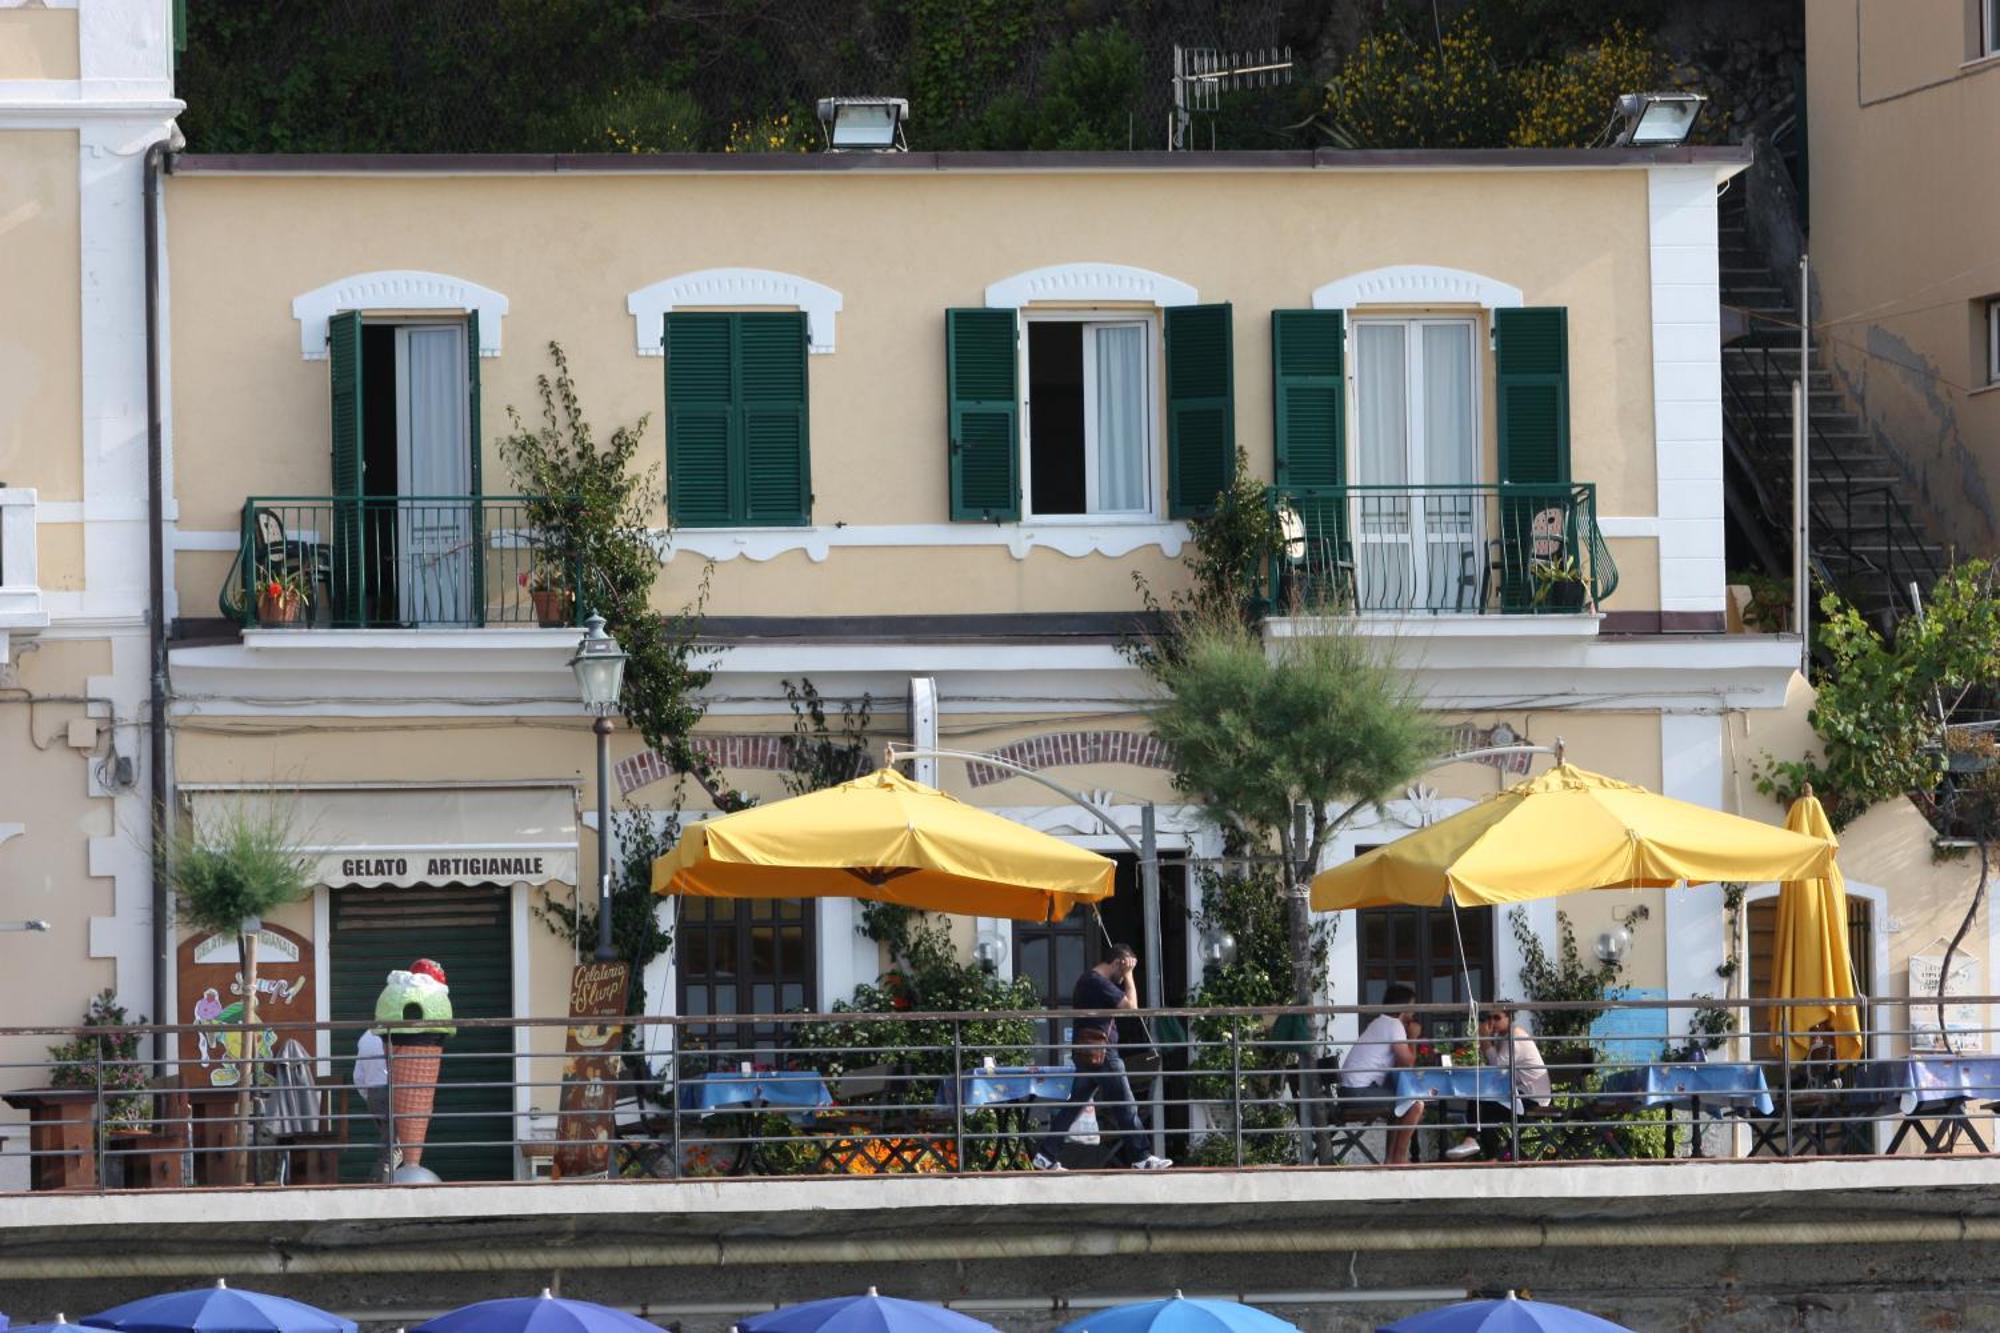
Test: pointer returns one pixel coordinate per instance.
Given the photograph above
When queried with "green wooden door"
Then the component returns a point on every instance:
(376, 931)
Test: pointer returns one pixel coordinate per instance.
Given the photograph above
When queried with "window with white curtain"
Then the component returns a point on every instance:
(1419, 526)
(1088, 419)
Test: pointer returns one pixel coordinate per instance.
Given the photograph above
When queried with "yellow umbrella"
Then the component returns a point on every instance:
(1812, 958)
(889, 839)
(1563, 832)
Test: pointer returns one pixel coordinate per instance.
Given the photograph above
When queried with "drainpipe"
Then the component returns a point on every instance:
(156, 592)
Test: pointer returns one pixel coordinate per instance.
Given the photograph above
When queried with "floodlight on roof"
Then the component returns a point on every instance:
(868, 124)
(1654, 120)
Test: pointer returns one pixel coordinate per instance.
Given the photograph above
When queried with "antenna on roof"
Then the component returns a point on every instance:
(1202, 74)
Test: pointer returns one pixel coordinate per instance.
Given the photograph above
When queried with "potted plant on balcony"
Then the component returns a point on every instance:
(555, 604)
(282, 597)
(1559, 584)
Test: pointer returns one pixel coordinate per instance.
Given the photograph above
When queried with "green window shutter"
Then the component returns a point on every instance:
(700, 406)
(771, 385)
(983, 403)
(1201, 408)
(343, 339)
(1532, 377)
(1309, 396)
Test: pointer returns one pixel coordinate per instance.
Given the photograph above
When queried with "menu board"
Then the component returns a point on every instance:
(585, 1120)
(1962, 1021)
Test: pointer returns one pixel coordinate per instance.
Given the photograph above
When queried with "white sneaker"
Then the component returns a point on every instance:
(1466, 1147)
(1042, 1163)
(1153, 1164)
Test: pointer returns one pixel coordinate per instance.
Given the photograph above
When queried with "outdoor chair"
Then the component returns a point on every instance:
(1348, 1119)
(1313, 566)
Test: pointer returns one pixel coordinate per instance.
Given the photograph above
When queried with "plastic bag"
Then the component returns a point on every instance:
(1084, 1128)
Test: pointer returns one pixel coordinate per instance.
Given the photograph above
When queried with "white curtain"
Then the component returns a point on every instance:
(434, 459)
(1381, 373)
(1451, 451)
(1120, 411)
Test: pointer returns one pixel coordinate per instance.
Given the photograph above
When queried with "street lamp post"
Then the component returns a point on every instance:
(599, 665)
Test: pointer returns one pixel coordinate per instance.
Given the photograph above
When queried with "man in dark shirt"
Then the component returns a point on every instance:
(1109, 985)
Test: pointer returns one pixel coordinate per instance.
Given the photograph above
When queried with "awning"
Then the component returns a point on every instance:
(404, 836)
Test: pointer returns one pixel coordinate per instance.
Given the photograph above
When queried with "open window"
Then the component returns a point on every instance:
(1092, 413)
(405, 524)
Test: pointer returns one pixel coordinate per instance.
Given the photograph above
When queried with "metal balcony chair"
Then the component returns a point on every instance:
(1348, 1118)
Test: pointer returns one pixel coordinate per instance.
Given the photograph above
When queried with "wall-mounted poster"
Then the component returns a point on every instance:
(1962, 1021)
(211, 995)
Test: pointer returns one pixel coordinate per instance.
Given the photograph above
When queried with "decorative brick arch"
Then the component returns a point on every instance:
(1059, 748)
(768, 751)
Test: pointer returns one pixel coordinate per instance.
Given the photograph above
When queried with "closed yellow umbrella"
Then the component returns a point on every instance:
(888, 839)
(1563, 832)
(1812, 960)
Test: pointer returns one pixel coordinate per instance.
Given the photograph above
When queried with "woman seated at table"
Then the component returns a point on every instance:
(1502, 1045)
(1383, 1046)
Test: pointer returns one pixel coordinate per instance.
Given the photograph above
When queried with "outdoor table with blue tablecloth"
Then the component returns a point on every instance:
(1704, 1088)
(789, 1090)
(1935, 1087)
(1466, 1083)
(1010, 1083)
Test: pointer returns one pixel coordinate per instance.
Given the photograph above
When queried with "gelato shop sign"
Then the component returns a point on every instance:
(405, 869)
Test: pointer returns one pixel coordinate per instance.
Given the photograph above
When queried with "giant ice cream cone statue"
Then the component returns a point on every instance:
(413, 1014)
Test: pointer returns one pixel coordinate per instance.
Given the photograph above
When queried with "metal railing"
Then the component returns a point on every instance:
(1862, 523)
(366, 562)
(1468, 548)
(960, 1093)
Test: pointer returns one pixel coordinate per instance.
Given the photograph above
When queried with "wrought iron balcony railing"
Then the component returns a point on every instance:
(401, 561)
(1465, 548)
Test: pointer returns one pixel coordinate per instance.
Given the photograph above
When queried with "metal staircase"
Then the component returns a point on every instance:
(1865, 541)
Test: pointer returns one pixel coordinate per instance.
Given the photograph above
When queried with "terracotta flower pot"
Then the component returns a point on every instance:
(552, 607)
(279, 610)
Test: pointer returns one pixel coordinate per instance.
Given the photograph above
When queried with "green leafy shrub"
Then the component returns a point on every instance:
(1566, 102)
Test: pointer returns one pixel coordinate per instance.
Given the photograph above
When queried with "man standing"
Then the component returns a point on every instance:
(1100, 1073)
(1385, 1045)
(371, 1080)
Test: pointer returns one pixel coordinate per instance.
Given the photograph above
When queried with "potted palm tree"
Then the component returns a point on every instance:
(228, 877)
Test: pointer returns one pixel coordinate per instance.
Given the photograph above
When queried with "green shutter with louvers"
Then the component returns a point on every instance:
(1201, 407)
(343, 346)
(1532, 377)
(983, 405)
(701, 397)
(771, 388)
(1309, 397)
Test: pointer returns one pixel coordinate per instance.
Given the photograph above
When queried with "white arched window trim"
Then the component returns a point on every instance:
(1416, 284)
(1088, 282)
(396, 289)
(732, 287)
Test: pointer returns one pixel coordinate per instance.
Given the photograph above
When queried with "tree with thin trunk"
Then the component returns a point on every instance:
(1285, 742)
(228, 877)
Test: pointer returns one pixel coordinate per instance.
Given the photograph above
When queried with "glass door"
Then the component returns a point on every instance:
(434, 477)
(1420, 543)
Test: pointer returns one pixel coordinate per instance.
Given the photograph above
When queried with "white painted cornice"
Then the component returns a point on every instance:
(726, 287)
(1088, 282)
(396, 289)
(1416, 284)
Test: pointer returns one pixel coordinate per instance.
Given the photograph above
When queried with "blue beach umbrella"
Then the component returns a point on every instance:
(218, 1309)
(872, 1313)
(1180, 1315)
(1510, 1315)
(536, 1314)
(61, 1325)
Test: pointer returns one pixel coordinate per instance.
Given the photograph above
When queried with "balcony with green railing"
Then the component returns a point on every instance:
(1455, 549)
(399, 562)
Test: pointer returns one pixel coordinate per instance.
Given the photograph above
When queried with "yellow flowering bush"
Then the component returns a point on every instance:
(779, 133)
(1566, 104)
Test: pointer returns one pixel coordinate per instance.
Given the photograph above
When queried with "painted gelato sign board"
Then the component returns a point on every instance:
(584, 1123)
(1961, 1020)
(211, 996)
